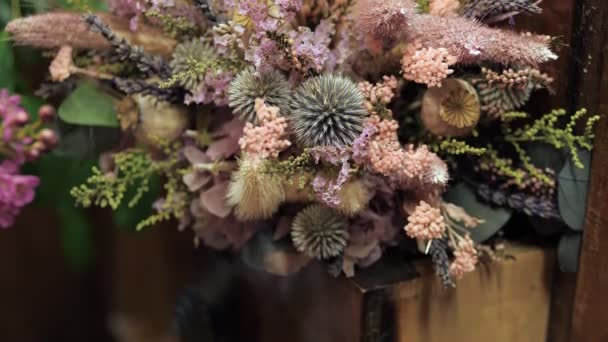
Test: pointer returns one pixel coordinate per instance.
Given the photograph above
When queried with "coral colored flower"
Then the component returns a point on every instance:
(465, 258)
(268, 139)
(425, 223)
(427, 65)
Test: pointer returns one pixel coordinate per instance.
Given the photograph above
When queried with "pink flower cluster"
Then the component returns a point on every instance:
(381, 93)
(20, 141)
(465, 258)
(268, 139)
(425, 222)
(16, 191)
(407, 167)
(213, 89)
(385, 18)
(427, 65)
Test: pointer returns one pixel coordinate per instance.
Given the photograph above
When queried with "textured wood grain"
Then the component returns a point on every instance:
(590, 90)
(503, 302)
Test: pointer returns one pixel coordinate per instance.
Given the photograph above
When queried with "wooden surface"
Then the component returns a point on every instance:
(590, 90)
(503, 302)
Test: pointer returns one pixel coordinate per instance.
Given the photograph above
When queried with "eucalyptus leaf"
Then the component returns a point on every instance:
(77, 237)
(88, 105)
(568, 252)
(8, 75)
(572, 186)
(85, 141)
(546, 156)
(495, 217)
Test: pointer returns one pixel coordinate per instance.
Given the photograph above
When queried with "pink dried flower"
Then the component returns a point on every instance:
(385, 18)
(61, 64)
(15, 192)
(427, 65)
(212, 89)
(425, 223)
(380, 94)
(268, 139)
(444, 8)
(465, 258)
(472, 43)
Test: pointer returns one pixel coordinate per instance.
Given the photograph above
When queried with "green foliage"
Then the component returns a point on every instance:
(87, 105)
(423, 5)
(173, 205)
(458, 147)
(134, 169)
(494, 217)
(292, 167)
(573, 186)
(8, 74)
(544, 130)
(174, 26)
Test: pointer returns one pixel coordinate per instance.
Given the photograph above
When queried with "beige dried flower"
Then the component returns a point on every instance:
(354, 197)
(60, 68)
(452, 110)
(255, 193)
(465, 258)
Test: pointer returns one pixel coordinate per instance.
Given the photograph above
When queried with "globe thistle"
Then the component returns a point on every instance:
(185, 56)
(319, 232)
(255, 193)
(327, 111)
(247, 86)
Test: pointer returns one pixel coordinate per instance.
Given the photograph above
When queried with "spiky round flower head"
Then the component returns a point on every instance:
(319, 232)
(272, 87)
(385, 18)
(327, 110)
(187, 54)
(255, 193)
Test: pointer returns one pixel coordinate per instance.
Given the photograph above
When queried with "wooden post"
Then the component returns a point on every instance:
(589, 81)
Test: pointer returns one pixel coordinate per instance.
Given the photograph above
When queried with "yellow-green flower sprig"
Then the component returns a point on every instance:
(300, 165)
(200, 68)
(134, 168)
(544, 130)
(458, 147)
(172, 25)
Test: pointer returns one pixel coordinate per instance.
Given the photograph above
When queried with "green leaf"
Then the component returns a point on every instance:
(8, 75)
(546, 156)
(77, 238)
(568, 252)
(87, 105)
(31, 104)
(128, 217)
(85, 141)
(572, 184)
(495, 217)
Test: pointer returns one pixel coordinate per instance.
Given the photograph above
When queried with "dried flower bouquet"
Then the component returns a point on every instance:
(342, 127)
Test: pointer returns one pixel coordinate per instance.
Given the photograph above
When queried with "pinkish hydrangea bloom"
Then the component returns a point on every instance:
(425, 223)
(465, 258)
(213, 89)
(15, 192)
(427, 65)
(268, 139)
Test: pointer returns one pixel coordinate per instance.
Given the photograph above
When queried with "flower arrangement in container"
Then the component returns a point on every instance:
(297, 130)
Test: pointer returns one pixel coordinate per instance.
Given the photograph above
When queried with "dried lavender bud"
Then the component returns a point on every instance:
(135, 86)
(206, 9)
(146, 63)
(486, 9)
(528, 204)
(441, 262)
(56, 89)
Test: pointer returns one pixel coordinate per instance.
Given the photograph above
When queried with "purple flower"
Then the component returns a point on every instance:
(360, 144)
(213, 88)
(15, 192)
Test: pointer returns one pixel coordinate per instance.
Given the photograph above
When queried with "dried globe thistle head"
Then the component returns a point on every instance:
(354, 197)
(255, 193)
(159, 120)
(185, 56)
(248, 85)
(327, 110)
(385, 18)
(451, 110)
(319, 232)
